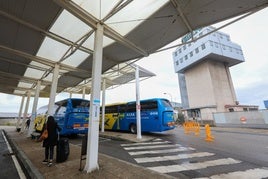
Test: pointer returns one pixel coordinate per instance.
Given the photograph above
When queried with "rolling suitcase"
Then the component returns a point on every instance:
(62, 150)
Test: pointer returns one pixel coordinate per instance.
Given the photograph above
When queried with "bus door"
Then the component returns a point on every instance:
(121, 124)
(130, 117)
(114, 116)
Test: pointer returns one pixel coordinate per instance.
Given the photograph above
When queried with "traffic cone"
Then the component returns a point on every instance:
(209, 137)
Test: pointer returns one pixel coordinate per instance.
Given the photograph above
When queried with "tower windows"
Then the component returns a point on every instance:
(203, 46)
(211, 43)
(191, 54)
(196, 50)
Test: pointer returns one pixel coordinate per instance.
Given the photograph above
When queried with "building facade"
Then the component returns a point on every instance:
(202, 66)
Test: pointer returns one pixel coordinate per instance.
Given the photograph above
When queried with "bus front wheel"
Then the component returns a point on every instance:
(133, 128)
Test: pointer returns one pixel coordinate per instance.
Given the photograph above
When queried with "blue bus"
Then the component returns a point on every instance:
(156, 116)
(71, 114)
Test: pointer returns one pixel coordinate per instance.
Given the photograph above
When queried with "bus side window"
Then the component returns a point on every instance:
(148, 105)
(131, 107)
(122, 108)
(111, 109)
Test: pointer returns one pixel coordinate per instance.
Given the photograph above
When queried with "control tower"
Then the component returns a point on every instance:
(203, 71)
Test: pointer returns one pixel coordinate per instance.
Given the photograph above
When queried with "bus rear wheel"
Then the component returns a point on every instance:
(133, 128)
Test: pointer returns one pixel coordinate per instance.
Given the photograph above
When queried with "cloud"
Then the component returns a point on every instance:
(253, 95)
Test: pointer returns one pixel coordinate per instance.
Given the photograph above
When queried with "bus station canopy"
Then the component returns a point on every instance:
(37, 34)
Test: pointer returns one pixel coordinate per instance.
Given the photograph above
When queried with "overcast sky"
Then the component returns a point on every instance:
(249, 78)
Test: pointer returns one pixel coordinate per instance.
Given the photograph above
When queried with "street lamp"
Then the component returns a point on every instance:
(169, 96)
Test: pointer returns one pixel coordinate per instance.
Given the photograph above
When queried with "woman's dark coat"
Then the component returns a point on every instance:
(52, 128)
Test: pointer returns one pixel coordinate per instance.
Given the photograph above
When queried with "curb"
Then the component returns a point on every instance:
(119, 138)
(29, 169)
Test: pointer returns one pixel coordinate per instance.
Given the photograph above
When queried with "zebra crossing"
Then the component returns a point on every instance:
(173, 159)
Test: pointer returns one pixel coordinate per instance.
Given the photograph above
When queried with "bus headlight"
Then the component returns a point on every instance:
(170, 124)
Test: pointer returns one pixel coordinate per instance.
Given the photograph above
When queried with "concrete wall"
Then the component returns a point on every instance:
(207, 113)
(222, 85)
(199, 86)
(183, 90)
(256, 119)
(208, 85)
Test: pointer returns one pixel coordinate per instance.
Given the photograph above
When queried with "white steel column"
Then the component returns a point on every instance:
(19, 116)
(70, 95)
(103, 105)
(94, 111)
(26, 110)
(36, 97)
(84, 92)
(138, 105)
(53, 89)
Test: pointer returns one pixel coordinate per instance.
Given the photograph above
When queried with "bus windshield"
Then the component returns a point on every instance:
(166, 103)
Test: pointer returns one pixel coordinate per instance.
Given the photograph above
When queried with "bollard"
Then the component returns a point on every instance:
(186, 128)
(197, 129)
(209, 137)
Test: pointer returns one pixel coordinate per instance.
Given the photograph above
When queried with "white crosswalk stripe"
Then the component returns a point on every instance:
(194, 166)
(179, 149)
(146, 154)
(151, 147)
(256, 173)
(172, 157)
(145, 143)
(157, 139)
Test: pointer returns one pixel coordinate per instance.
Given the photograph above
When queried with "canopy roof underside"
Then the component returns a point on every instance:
(37, 34)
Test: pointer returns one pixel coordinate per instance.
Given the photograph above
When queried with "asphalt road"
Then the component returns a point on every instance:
(10, 167)
(250, 145)
(242, 153)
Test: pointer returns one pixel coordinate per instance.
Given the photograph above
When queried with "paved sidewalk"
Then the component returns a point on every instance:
(31, 155)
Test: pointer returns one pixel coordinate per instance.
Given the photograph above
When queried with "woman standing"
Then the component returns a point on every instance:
(51, 140)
